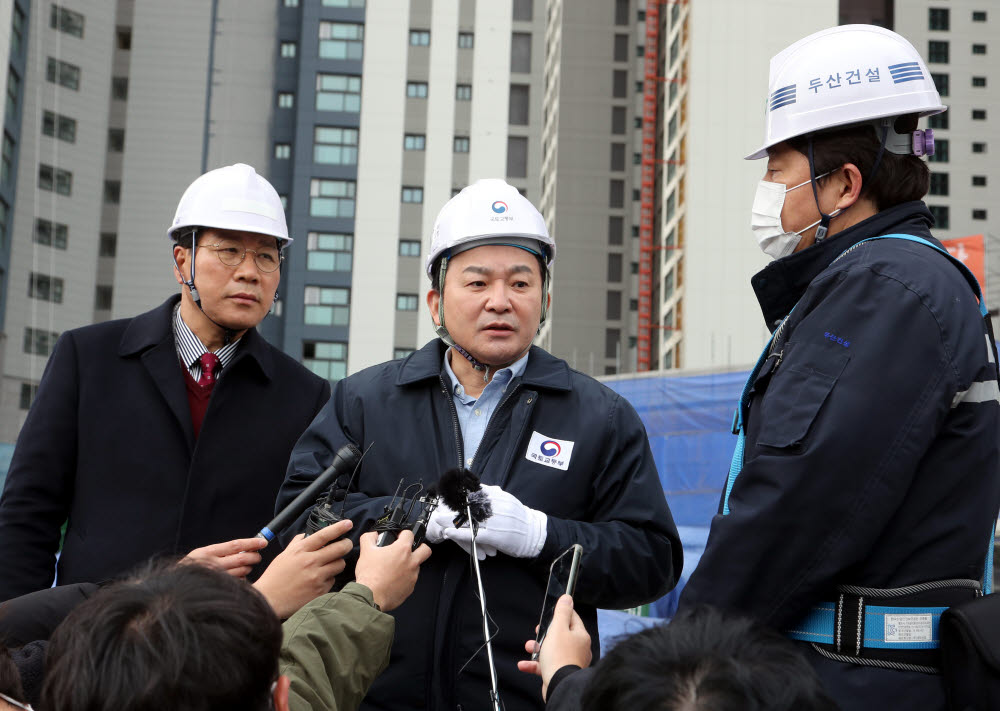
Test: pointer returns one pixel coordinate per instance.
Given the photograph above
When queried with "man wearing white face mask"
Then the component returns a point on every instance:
(864, 488)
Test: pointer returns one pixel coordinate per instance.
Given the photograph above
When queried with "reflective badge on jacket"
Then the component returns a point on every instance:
(551, 452)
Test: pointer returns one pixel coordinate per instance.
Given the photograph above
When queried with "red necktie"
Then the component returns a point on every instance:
(209, 362)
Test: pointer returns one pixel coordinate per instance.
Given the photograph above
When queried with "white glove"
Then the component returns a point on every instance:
(513, 528)
(443, 519)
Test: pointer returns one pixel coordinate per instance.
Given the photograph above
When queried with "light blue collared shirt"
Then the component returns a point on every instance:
(474, 414)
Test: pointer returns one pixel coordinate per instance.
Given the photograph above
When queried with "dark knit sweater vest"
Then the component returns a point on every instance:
(198, 396)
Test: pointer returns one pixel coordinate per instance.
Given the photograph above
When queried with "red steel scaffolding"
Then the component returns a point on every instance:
(647, 196)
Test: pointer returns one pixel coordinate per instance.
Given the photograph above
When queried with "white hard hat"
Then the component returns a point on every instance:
(489, 212)
(844, 75)
(232, 198)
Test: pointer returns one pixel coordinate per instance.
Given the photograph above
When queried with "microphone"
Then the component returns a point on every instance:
(461, 491)
(346, 459)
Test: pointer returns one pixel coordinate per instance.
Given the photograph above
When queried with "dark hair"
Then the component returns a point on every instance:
(10, 677)
(706, 660)
(174, 637)
(899, 178)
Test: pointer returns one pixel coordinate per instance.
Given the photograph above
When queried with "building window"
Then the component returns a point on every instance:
(119, 88)
(619, 84)
(420, 38)
(416, 89)
(616, 229)
(463, 92)
(613, 307)
(523, 10)
(59, 126)
(62, 73)
(466, 40)
(976, 147)
(39, 341)
(331, 198)
(116, 140)
(979, 82)
(45, 288)
(335, 146)
(13, 90)
(329, 251)
(338, 92)
(939, 19)
(979, 214)
(123, 38)
(461, 144)
(282, 151)
(617, 156)
(517, 157)
(616, 193)
(940, 151)
(51, 234)
(520, 52)
(612, 338)
(940, 83)
(17, 32)
(406, 302)
(937, 51)
(28, 392)
(55, 179)
(327, 306)
(398, 353)
(409, 248)
(109, 244)
(286, 100)
(413, 195)
(939, 184)
(287, 50)
(518, 107)
(341, 40)
(621, 48)
(66, 21)
(940, 214)
(979, 114)
(102, 297)
(414, 142)
(979, 49)
(621, 12)
(342, 3)
(979, 16)
(618, 120)
(112, 192)
(938, 121)
(979, 181)
(327, 359)
(7, 160)
(614, 267)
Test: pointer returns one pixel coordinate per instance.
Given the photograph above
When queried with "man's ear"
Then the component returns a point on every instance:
(281, 688)
(433, 301)
(850, 184)
(181, 256)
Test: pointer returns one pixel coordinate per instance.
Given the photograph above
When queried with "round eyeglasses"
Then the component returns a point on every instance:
(232, 253)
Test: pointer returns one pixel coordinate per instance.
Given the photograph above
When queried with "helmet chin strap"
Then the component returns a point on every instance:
(442, 331)
(227, 333)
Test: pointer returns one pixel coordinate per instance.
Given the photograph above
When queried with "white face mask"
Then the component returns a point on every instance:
(765, 219)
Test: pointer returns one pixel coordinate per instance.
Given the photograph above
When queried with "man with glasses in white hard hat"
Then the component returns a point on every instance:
(563, 459)
(864, 489)
(167, 433)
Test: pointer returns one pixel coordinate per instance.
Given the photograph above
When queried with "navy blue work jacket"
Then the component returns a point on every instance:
(609, 500)
(108, 444)
(867, 462)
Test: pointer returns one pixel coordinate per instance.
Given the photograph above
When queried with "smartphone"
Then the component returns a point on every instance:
(562, 581)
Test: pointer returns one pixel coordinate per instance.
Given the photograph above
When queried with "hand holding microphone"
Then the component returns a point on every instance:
(513, 528)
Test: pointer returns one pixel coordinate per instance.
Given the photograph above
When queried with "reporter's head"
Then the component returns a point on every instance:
(705, 660)
(179, 637)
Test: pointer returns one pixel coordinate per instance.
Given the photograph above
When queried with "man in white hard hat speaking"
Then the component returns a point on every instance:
(864, 488)
(167, 433)
(563, 460)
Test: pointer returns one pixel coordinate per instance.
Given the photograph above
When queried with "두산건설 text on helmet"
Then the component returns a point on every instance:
(488, 212)
(847, 75)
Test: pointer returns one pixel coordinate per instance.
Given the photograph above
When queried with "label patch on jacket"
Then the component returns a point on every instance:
(551, 452)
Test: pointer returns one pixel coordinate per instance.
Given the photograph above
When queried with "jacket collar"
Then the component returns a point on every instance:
(782, 283)
(151, 328)
(543, 370)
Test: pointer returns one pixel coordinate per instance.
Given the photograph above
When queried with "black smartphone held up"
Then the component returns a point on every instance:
(562, 581)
